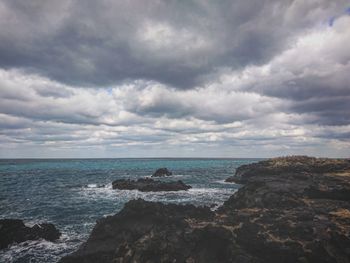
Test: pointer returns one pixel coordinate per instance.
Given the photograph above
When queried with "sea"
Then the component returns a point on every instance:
(73, 193)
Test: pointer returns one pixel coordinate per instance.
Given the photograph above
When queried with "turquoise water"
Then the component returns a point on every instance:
(74, 193)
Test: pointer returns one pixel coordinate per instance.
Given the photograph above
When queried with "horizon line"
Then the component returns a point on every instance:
(81, 158)
(155, 158)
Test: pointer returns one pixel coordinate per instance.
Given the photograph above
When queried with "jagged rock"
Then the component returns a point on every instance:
(161, 172)
(290, 166)
(149, 185)
(281, 214)
(293, 209)
(154, 232)
(14, 231)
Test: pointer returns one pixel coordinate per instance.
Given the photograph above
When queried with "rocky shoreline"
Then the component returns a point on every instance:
(293, 209)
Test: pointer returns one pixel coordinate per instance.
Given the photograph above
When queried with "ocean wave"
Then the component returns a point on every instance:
(169, 176)
(95, 186)
(74, 194)
(37, 251)
(224, 182)
(195, 195)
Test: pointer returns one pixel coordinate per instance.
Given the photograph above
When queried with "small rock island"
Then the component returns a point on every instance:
(149, 185)
(291, 209)
(162, 172)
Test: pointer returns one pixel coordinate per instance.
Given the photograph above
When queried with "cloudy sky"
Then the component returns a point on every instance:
(194, 78)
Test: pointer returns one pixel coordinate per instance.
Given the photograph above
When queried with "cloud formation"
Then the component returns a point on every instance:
(178, 43)
(179, 78)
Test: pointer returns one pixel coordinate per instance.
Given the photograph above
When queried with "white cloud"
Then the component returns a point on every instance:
(236, 81)
(53, 119)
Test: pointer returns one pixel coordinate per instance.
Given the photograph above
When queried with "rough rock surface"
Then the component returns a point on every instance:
(293, 209)
(149, 185)
(14, 231)
(284, 166)
(154, 232)
(161, 172)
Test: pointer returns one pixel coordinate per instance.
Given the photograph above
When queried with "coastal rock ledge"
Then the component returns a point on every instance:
(14, 231)
(293, 209)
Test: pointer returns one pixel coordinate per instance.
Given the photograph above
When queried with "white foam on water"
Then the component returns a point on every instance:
(98, 186)
(42, 250)
(98, 192)
(224, 182)
(196, 195)
(45, 251)
(168, 176)
(36, 251)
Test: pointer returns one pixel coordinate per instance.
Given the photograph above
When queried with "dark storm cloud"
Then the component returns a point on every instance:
(46, 112)
(343, 136)
(327, 111)
(99, 43)
(163, 106)
(312, 86)
(174, 78)
(311, 77)
(325, 97)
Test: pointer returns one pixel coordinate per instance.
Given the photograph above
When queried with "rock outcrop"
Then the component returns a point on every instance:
(293, 209)
(154, 232)
(284, 166)
(149, 185)
(161, 172)
(15, 231)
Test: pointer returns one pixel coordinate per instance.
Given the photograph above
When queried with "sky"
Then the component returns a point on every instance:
(194, 78)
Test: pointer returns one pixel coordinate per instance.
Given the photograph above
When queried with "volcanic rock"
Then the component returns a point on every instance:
(297, 166)
(290, 209)
(149, 185)
(14, 231)
(154, 232)
(161, 172)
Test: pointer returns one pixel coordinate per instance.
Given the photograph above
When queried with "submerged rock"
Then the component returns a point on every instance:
(15, 231)
(149, 185)
(281, 214)
(161, 172)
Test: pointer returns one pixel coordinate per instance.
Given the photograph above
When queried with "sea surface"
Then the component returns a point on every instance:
(74, 193)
